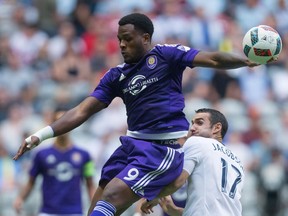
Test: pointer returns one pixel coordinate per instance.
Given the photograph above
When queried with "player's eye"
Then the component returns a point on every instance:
(128, 39)
(199, 122)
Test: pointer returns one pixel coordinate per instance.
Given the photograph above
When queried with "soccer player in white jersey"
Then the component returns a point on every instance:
(150, 84)
(214, 173)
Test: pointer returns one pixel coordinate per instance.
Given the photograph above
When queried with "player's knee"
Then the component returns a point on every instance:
(119, 194)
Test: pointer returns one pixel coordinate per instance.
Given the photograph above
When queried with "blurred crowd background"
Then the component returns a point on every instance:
(54, 52)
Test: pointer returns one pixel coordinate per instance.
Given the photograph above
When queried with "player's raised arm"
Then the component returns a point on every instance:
(70, 120)
(221, 60)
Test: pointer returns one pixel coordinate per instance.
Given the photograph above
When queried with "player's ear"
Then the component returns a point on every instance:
(217, 128)
(146, 38)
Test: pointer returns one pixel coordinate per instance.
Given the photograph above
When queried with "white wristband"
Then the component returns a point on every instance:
(43, 134)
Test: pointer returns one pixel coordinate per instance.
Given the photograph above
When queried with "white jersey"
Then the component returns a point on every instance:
(216, 178)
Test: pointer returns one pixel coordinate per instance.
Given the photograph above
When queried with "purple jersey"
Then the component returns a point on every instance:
(62, 173)
(151, 91)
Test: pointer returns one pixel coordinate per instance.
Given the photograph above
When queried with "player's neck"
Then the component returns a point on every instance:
(62, 143)
(219, 138)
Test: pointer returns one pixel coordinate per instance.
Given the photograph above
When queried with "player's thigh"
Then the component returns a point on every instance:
(119, 194)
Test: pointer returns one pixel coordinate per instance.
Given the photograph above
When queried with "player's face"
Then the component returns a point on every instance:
(201, 126)
(132, 43)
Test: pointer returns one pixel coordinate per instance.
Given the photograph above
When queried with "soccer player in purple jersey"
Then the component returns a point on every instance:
(64, 167)
(149, 83)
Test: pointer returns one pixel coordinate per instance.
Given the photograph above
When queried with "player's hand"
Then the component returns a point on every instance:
(274, 59)
(18, 203)
(147, 206)
(168, 205)
(252, 64)
(28, 144)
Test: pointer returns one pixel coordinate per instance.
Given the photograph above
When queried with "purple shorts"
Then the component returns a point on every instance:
(143, 165)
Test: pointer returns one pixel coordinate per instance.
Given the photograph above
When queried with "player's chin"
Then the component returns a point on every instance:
(126, 57)
(128, 60)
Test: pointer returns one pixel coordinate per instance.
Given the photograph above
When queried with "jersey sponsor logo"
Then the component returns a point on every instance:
(63, 171)
(151, 61)
(138, 84)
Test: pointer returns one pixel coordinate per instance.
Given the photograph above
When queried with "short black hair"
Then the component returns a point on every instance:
(215, 117)
(140, 21)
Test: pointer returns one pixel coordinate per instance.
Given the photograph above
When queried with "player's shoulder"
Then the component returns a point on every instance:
(80, 150)
(115, 70)
(196, 147)
(193, 140)
(171, 46)
(40, 152)
(165, 45)
(196, 142)
(169, 51)
(119, 66)
(76, 147)
(48, 147)
(200, 143)
(114, 73)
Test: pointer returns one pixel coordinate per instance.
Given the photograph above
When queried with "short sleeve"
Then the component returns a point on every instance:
(105, 89)
(192, 153)
(36, 165)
